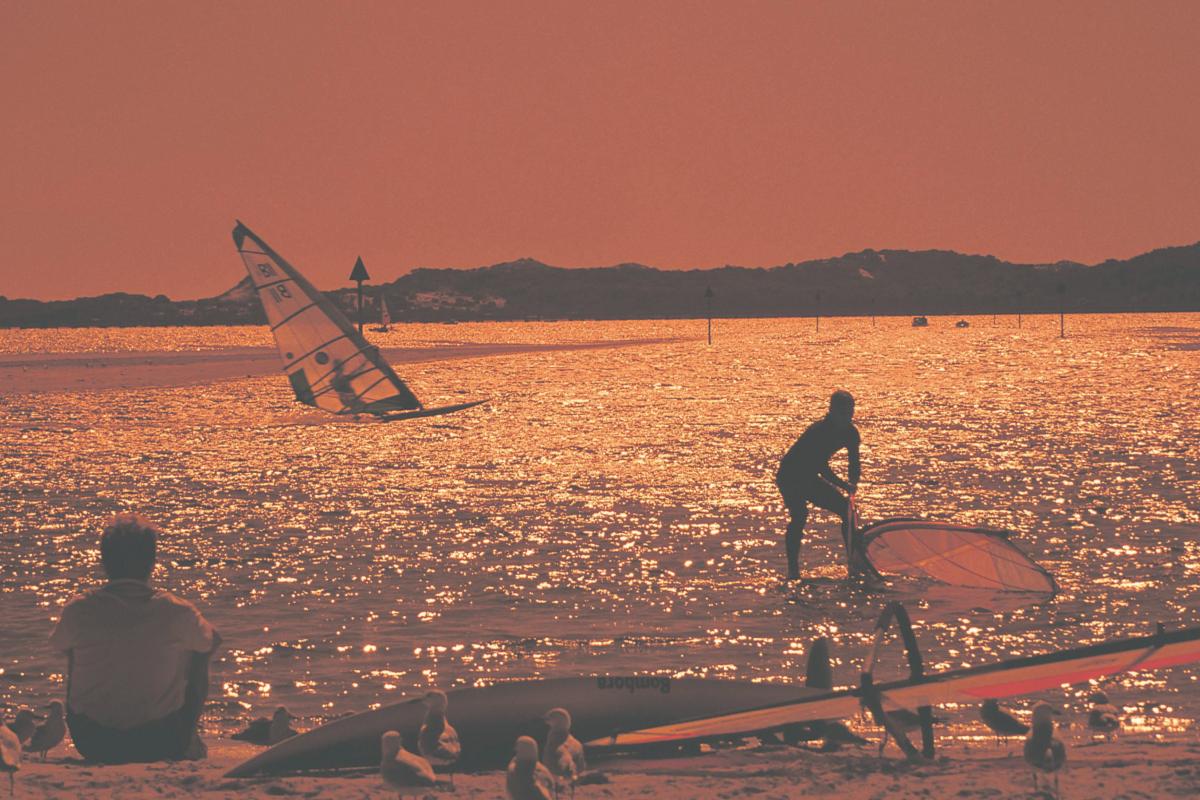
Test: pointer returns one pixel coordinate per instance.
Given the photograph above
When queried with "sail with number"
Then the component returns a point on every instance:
(329, 364)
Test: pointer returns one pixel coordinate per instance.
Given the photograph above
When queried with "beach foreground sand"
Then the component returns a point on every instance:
(1128, 768)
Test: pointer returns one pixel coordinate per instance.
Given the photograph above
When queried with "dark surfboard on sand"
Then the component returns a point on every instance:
(489, 719)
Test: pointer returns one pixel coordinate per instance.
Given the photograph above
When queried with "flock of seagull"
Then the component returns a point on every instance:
(529, 776)
(1043, 751)
(532, 774)
(541, 775)
(25, 734)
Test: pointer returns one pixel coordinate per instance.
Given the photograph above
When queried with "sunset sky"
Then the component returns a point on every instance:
(675, 134)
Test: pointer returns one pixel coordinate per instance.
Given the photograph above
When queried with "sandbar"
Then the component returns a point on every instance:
(25, 373)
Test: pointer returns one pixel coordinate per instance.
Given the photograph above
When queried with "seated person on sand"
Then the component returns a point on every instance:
(137, 657)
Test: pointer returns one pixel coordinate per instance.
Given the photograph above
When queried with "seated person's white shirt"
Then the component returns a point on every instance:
(132, 646)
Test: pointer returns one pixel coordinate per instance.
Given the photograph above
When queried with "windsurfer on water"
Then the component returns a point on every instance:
(340, 382)
(805, 476)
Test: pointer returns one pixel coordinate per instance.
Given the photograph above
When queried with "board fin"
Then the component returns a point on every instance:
(819, 674)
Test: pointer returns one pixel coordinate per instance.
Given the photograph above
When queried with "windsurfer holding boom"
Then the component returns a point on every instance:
(340, 382)
(805, 476)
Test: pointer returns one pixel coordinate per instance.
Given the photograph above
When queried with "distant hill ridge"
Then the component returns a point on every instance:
(866, 282)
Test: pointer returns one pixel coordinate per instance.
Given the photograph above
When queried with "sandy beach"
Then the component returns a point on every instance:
(1129, 768)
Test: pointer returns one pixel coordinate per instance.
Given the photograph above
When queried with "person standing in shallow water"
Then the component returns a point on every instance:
(805, 476)
(137, 657)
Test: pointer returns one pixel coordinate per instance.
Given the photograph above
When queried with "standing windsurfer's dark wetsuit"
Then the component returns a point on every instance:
(805, 477)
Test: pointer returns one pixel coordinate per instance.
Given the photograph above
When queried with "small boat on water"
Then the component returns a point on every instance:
(920, 322)
(962, 323)
(385, 319)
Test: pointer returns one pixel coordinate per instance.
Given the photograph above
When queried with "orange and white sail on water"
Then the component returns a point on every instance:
(960, 555)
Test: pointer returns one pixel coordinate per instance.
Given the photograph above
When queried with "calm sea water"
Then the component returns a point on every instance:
(613, 510)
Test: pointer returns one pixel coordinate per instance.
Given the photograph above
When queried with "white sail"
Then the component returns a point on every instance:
(385, 319)
(329, 364)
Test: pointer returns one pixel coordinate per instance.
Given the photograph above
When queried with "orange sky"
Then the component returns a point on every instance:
(673, 134)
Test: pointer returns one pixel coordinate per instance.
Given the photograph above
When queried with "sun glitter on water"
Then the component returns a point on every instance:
(613, 509)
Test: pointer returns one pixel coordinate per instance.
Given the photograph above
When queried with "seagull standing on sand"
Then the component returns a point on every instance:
(10, 756)
(564, 754)
(48, 735)
(528, 778)
(23, 725)
(1103, 716)
(437, 739)
(1042, 751)
(269, 731)
(837, 734)
(1000, 721)
(401, 769)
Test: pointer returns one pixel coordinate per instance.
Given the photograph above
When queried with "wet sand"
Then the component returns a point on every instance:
(1123, 769)
(64, 372)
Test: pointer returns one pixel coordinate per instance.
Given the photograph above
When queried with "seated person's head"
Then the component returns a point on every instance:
(127, 547)
(841, 407)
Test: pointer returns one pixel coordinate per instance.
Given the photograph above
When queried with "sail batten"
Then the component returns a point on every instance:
(294, 314)
(326, 375)
(380, 380)
(319, 347)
